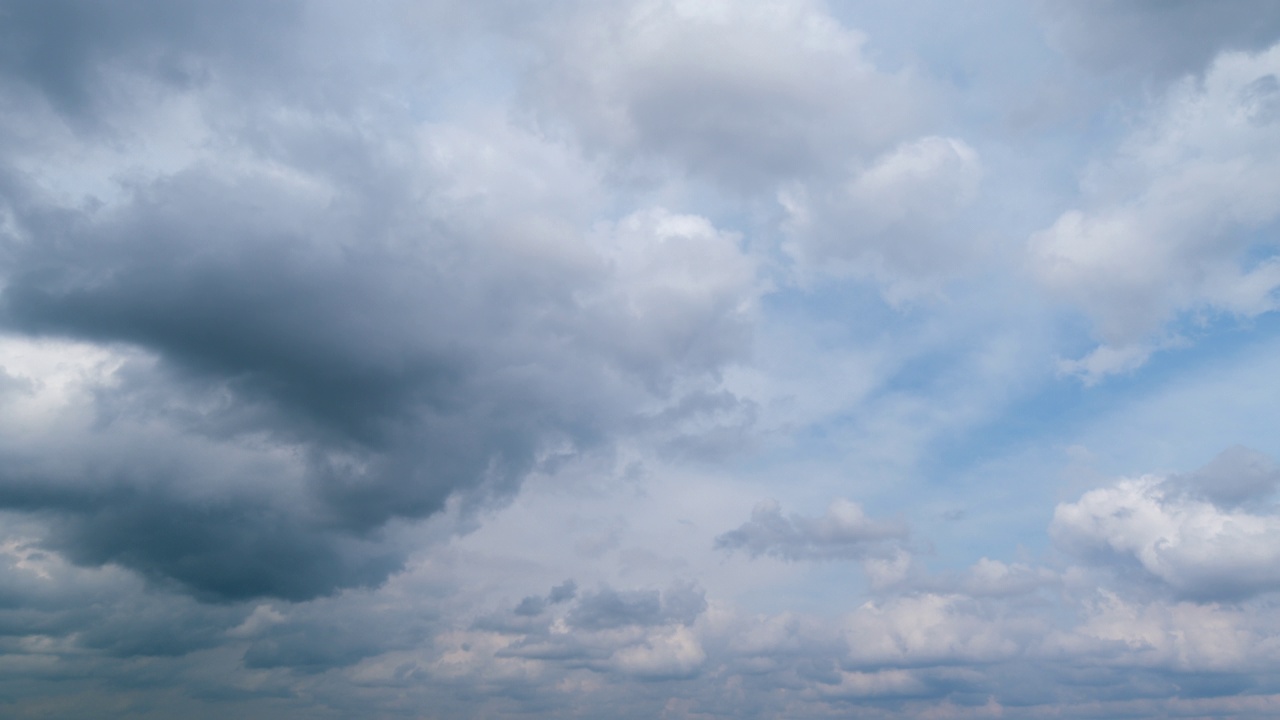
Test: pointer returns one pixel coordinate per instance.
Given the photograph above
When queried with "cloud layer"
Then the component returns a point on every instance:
(651, 359)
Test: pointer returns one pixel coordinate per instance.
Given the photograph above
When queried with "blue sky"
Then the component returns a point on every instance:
(672, 359)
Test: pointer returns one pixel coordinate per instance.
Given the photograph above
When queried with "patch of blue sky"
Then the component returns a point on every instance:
(1172, 415)
(1191, 403)
(844, 312)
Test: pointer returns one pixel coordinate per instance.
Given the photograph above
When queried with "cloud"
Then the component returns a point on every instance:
(333, 339)
(1238, 476)
(608, 608)
(890, 221)
(1197, 548)
(776, 99)
(1176, 223)
(316, 329)
(932, 628)
(1186, 636)
(640, 633)
(69, 53)
(745, 95)
(844, 532)
(1157, 39)
(675, 654)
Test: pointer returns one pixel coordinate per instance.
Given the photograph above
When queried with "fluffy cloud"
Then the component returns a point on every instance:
(1183, 636)
(1177, 222)
(889, 221)
(360, 325)
(1198, 548)
(334, 339)
(773, 99)
(744, 95)
(932, 629)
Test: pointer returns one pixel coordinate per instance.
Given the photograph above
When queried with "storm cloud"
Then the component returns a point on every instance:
(346, 305)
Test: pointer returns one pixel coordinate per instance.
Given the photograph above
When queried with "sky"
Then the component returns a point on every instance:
(649, 359)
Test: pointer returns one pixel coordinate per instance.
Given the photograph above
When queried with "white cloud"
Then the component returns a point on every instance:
(1175, 222)
(1196, 548)
(670, 653)
(675, 289)
(1184, 636)
(892, 220)
(993, 578)
(932, 628)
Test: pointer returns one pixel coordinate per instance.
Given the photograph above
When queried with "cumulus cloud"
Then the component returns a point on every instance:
(363, 325)
(334, 339)
(993, 578)
(772, 99)
(890, 220)
(1177, 221)
(673, 654)
(741, 94)
(932, 628)
(1184, 636)
(1201, 545)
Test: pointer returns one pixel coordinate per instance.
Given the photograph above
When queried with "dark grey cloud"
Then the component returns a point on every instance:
(361, 363)
(534, 605)
(68, 53)
(318, 645)
(384, 333)
(103, 613)
(227, 549)
(563, 592)
(530, 606)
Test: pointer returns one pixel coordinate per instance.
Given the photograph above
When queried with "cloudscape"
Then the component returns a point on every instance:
(639, 359)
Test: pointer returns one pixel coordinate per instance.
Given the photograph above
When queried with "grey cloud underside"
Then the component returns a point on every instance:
(608, 608)
(315, 294)
(1239, 476)
(62, 49)
(1158, 39)
(329, 359)
(226, 549)
(844, 532)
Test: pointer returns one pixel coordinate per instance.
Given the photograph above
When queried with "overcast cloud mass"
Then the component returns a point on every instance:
(653, 359)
